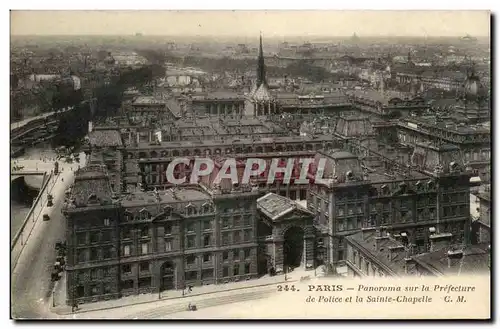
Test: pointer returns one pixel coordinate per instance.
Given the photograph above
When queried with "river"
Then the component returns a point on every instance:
(22, 196)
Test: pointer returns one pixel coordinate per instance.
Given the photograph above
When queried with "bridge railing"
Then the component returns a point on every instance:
(17, 243)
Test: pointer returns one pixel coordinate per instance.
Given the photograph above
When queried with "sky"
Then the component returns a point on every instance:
(250, 23)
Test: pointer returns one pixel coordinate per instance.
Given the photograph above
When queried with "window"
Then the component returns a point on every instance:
(247, 235)
(144, 266)
(225, 256)
(207, 258)
(126, 250)
(168, 245)
(127, 284)
(236, 237)
(206, 240)
(340, 211)
(94, 254)
(237, 221)
(225, 222)
(191, 241)
(144, 283)
(107, 222)
(168, 228)
(126, 233)
(190, 260)
(191, 226)
(94, 237)
(106, 271)
(247, 220)
(145, 231)
(207, 274)
(94, 274)
(191, 275)
(225, 271)
(126, 269)
(107, 252)
(225, 238)
(105, 236)
(207, 225)
(247, 253)
(81, 254)
(236, 270)
(94, 290)
(107, 288)
(81, 238)
(247, 268)
(144, 249)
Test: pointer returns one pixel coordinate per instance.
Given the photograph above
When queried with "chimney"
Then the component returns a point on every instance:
(440, 241)
(454, 256)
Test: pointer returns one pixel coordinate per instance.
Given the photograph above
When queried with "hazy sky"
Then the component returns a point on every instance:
(249, 23)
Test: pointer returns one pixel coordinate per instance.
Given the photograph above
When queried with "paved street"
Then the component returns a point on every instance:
(31, 284)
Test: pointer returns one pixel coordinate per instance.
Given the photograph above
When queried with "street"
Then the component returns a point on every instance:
(31, 281)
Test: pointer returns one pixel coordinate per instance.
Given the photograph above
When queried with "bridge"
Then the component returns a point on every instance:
(16, 174)
(32, 179)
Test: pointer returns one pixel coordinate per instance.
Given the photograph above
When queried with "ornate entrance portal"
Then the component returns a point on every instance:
(293, 247)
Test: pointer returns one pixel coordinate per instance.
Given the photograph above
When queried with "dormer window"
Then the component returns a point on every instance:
(385, 189)
(207, 208)
(190, 210)
(128, 216)
(168, 211)
(92, 199)
(144, 214)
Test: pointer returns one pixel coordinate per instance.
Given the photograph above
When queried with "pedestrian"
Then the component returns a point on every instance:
(190, 288)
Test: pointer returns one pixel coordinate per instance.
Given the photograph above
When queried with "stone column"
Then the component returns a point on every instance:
(218, 109)
(278, 255)
(309, 263)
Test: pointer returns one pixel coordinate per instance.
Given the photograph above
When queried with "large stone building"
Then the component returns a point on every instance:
(131, 231)
(375, 253)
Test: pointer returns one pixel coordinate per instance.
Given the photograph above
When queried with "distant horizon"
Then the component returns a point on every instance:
(257, 35)
(288, 23)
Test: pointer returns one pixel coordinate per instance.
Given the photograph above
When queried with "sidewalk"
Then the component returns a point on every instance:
(171, 295)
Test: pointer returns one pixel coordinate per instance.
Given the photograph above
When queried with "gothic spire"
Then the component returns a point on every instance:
(261, 69)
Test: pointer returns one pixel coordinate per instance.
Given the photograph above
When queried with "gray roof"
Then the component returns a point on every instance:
(104, 138)
(275, 206)
(476, 259)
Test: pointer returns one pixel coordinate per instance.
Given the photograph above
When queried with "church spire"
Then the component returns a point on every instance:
(261, 69)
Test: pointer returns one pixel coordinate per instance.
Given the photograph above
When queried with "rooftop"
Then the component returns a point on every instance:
(475, 259)
(378, 96)
(174, 195)
(275, 206)
(378, 247)
(91, 186)
(105, 138)
(449, 124)
(148, 100)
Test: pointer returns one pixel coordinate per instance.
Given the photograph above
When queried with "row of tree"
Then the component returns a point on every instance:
(110, 96)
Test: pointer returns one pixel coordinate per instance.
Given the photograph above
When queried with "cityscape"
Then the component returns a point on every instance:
(154, 175)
